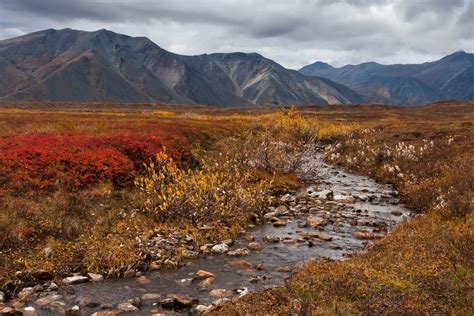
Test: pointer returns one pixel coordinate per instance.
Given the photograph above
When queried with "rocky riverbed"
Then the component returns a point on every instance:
(335, 215)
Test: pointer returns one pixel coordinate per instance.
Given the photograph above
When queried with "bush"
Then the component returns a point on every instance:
(221, 191)
(278, 146)
(50, 162)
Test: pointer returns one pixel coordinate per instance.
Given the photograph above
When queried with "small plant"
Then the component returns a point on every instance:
(219, 191)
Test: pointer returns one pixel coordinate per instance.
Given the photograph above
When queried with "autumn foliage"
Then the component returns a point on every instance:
(71, 162)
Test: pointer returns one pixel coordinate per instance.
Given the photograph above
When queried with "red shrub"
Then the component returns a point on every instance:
(48, 162)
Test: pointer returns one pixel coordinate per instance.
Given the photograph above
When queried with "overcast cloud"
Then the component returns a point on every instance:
(292, 32)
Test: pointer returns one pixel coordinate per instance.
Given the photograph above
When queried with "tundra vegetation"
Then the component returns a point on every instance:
(84, 191)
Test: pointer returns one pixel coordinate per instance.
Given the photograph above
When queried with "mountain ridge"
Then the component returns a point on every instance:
(80, 66)
(450, 77)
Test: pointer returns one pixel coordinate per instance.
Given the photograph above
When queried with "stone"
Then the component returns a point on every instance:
(396, 212)
(206, 283)
(170, 263)
(8, 311)
(188, 254)
(202, 308)
(344, 198)
(279, 223)
(220, 293)
(181, 301)
(364, 235)
(151, 296)
(46, 300)
(240, 264)
(314, 221)
(127, 307)
(73, 311)
(272, 239)
(324, 195)
(167, 303)
(220, 248)
(136, 301)
(239, 252)
(283, 269)
(142, 280)
(26, 292)
(107, 313)
(254, 246)
(48, 252)
(319, 235)
(95, 277)
(129, 273)
(202, 274)
(77, 279)
(2, 297)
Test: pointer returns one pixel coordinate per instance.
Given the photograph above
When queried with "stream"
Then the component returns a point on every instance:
(336, 214)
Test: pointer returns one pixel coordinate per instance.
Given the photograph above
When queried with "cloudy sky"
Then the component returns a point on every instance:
(292, 32)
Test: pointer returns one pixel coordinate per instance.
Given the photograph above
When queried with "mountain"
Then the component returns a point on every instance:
(451, 77)
(77, 66)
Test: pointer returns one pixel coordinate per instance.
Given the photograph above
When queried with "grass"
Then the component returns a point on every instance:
(425, 266)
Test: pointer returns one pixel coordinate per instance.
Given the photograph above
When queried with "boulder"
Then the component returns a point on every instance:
(314, 221)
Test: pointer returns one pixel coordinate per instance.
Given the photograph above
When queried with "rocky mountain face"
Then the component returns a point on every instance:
(77, 66)
(451, 77)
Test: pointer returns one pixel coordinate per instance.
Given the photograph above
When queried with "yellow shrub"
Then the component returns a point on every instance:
(217, 192)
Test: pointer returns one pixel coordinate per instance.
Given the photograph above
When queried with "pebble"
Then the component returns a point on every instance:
(220, 248)
(127, 307)
(95, 277)
(254, 246)
(77, 279)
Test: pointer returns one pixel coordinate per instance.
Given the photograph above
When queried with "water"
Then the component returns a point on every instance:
(271, 266)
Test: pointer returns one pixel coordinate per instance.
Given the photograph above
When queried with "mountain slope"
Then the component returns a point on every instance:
(70, 65)
(450, 77)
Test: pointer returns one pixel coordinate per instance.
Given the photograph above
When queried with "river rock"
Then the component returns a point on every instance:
(26, 292)
(189, 254)
(319, 235)
(127, 307)
(74, 311)
(107, 313)
(343, 198)
(324, 194)
(254, 246)
(314, 221)
(181, 301)
(151, 296)
(279, 223)
(206, 283)
(396, 212)
(272, 239)
(2, 297)
(240, 264)
(95, 277)
(220, 248)
(77, 279)
(8, 311)
(142, 280)
(239, 252)
(46, 300)
(201, 309)
(363, 234)
(220, 293)
(283, 269)
(202, 274)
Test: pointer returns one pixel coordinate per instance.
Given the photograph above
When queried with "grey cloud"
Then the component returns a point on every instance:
(291, 32)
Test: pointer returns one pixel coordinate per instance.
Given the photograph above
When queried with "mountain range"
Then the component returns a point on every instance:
(102, 66)
(451, 77)
(77, 66)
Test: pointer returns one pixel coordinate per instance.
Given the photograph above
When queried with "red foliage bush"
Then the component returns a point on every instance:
(48, 162)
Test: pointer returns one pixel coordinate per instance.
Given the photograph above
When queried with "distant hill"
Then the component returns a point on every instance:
(77, 66)
(451, 77)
